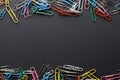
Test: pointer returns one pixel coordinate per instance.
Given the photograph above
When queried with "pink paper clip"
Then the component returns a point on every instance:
(111, 77)
(1, 2)
(34, 73)
(26, 13)
(86, 5)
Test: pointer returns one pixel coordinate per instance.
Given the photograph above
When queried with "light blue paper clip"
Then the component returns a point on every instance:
(117, 6)
(48, 75)
(93, 3)
(23, 10)
(69, 2)
(8, 75)
(2, 13)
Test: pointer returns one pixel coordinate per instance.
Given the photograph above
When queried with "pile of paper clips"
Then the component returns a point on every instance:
(27, 8)
(65, 72)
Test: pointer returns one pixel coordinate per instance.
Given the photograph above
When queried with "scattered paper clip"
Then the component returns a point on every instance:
(71, 8)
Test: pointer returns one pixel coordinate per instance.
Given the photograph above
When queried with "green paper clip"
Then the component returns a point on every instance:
(93, 15)
(45, 12)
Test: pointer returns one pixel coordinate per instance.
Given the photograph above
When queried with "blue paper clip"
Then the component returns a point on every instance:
(2, 13)
(69, 2)
(93, 3)
(27, 3)
(43, 3)
(48, 75)
(40, 8)
(8, 75)
(43, 7)
(22, 12)
(25, 8)
(117, 6)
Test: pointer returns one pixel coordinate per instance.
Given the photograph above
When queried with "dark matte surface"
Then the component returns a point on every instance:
(60, 40)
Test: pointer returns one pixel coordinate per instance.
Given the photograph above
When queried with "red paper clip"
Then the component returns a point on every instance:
(102, 14)
(63, 12)
(1, 76)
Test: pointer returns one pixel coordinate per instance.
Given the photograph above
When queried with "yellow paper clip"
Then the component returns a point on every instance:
(10, 11)
(25, 77)
(89, 74)
(57, 74)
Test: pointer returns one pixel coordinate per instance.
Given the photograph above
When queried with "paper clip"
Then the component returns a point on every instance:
(62, 76)
(77, 7)
(45, 68)
(39, 8)
(34, 73)
(42, 70)
(69, 2)
(57, 74)
(89, 74)
(2, 67)
(111, 3)
(2, 13)
(25, 10)
(103, 2)
(41, 3)
(93, 14)
(103, 14)
(73, 8)
(63, 12)
(18, 6)
(27, 13)
(22, 12)
(33, 8)
(71, 67)
(21, 72)
(1, 2)
(111, 77)
(7, 70)
(10, 11)
(44, 12)
(80, 5)
(25, 77)
(8, 75)
(68, 72)
(48, 75)
(117, 6)
(18, 73)
(86, 5)
(95, 4)
(1, 76)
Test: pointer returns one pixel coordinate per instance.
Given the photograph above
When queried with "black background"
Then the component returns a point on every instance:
(58, 40)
